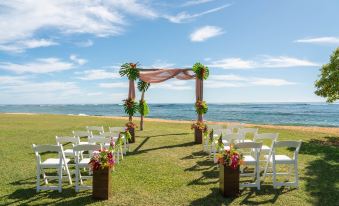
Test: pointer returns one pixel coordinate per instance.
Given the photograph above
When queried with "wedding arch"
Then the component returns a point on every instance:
(199, 72)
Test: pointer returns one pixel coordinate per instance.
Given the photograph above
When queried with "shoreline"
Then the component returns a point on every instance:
(329, 130)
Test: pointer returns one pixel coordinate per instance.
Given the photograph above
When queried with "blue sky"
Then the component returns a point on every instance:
(257, 51)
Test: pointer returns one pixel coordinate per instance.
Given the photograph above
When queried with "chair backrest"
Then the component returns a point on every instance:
(226, 131)
(38, 149)
(82, 134)
(78, 149)
(244, 131)
(245, 145)
(253, 146)
(235, 127)
(98, 129)
(290, 144)
(270, 136)
(62, 140)
(99, 140)
(217, 132)
(117, 129)
(230, 137)
(114, 134)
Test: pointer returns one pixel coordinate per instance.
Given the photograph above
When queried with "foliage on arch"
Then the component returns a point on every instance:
(201, 71)
(130, 70)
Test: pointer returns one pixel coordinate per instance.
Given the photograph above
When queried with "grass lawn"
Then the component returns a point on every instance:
(164, 167)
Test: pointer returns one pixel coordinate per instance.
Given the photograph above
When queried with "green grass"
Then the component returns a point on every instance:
(164, 167)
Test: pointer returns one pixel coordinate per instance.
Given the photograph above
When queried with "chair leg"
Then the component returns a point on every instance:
(44, 176)
(68, 174)
(60, 179)
(257, 168)
(38, 179)
(274, 175)
(296, 175)
(77, 178)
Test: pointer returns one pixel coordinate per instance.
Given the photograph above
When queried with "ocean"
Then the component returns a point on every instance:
(306, 114)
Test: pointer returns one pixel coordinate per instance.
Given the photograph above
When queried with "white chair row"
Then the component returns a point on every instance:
(273, 159)
(60, 164)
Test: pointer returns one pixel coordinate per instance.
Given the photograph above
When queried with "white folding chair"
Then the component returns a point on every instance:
(60, 164)
(265, 149)
(274, 159)
(251, 160)
(230, 138)
(243, 133)
(64, 140)
(82, 134)
(120, 130)
(95, 129)
(83, 163)
(235, 127)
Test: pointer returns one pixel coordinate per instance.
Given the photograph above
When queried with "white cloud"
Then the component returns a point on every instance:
(21, 46)
(98, 74)
(263, 62)
(20, 20)
(87, 43)
(320, 40)
(224, 81)
(227, 77)
(232, 63)
(77, 60)
(114, 85)
(270, 82)
(205, 33)
(195, 2)
(172, 85)
(183, 17)
(12, 80)
(39, 66)
(161, 64)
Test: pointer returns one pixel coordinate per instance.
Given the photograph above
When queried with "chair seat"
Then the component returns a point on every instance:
(281, 159)
(52, 163)
(265, 148)
(248, 159)
(244, 140)
(69, 152)
(84, 162)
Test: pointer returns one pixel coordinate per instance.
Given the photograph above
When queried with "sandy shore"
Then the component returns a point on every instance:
(328, 130)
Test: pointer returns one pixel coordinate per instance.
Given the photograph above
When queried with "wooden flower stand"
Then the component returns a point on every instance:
(132, 132)
(102, 184)
(198, 134)
(229, 181)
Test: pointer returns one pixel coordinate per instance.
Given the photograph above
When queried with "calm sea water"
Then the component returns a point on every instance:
(311, 114)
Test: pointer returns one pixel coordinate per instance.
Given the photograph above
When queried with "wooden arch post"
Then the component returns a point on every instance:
(199, 90)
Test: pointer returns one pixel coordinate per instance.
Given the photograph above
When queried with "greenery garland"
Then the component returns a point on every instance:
(130, 70)
(201, 107)
(143, 108)
(130, 107)
(143, 86)
(201, 71)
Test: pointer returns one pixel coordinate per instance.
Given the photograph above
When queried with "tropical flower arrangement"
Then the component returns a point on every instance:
(201, 71)
(200, 126)
(201, 107)
(131, 125)
(130, 106)
(103, 158)
(230, 157)
(130, 70)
